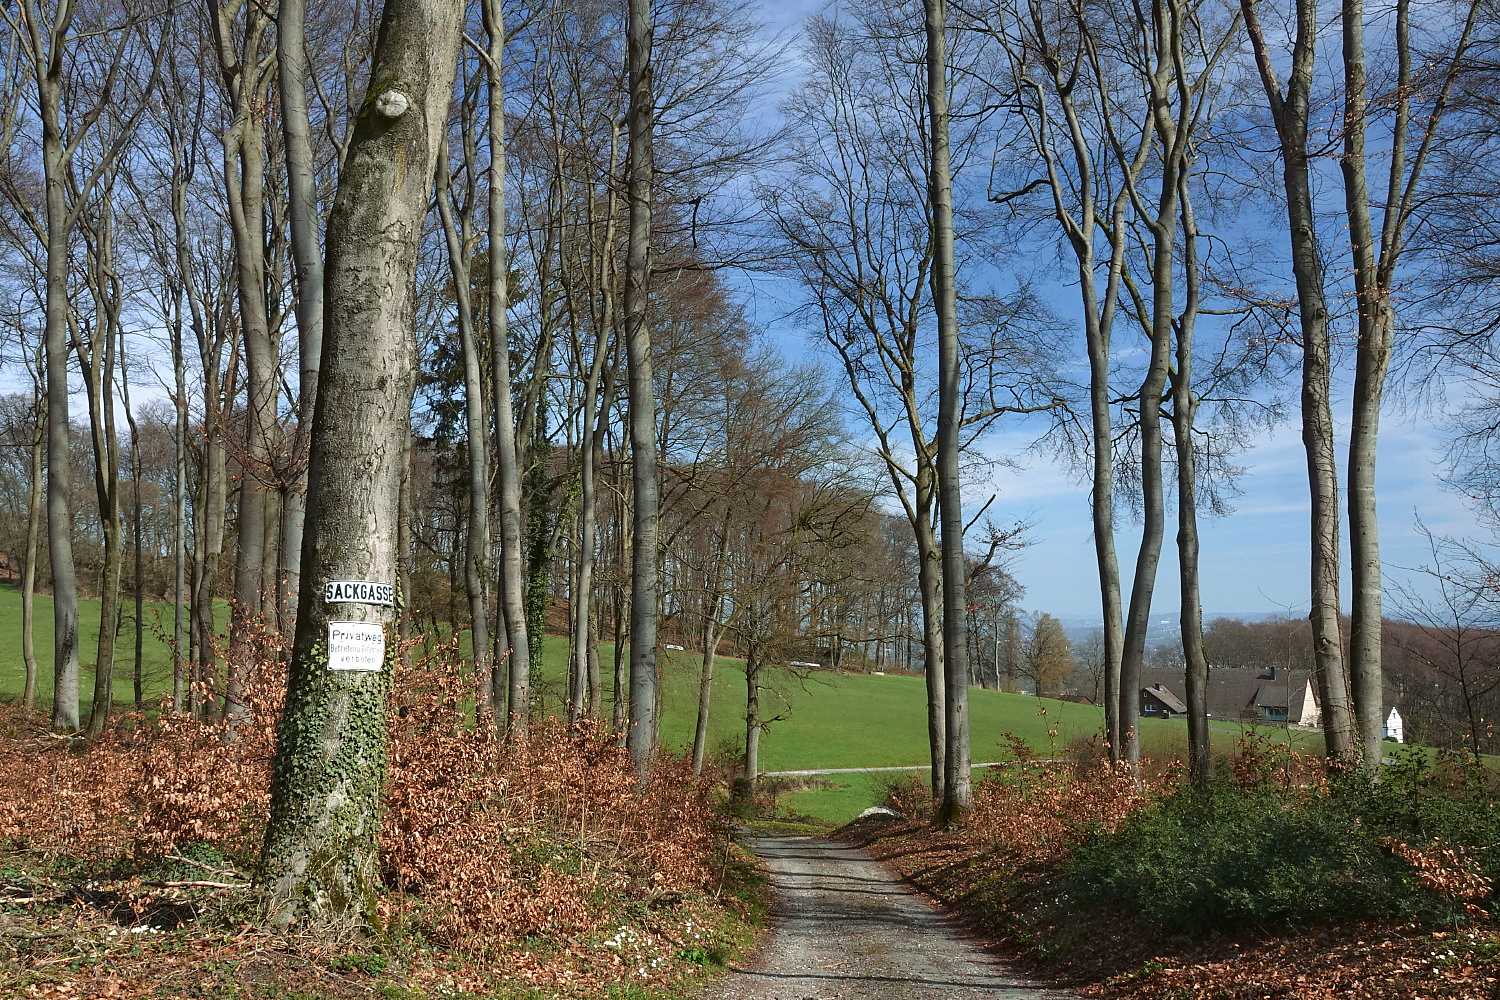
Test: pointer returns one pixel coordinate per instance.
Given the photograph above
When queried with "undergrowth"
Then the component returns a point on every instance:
(1256, 849)
(1285, 877)
(128, 861)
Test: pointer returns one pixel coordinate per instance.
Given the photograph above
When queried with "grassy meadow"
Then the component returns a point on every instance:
(821, 720)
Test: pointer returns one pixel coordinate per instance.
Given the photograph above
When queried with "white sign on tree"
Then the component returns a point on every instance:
(356, 645)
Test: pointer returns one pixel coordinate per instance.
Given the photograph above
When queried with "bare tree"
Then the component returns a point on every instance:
(957, 793)
(1375, 265)
(854, 230)
(303, 220)
(511, 686)
(1291, 110)
(241, 42)
(640, 119)
(1047, 56)
(69, 107)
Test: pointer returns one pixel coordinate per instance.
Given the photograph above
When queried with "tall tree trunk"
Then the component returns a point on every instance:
(98, 362)
(139, 582)
(1101, 509)
(1372, 358)
(929, 588)
(1153, 506)
(179, 510)
(302, 215)
(588, 500)
(517, 687)
(244, 185)
(477, 531)
(1291, 114)
(49, 65)
(620, 708)
(33, 538)
(641, 737)
(753, 724)
(1184, 412)
(214, 499)
(710, 636)
(957, 793)
(606, 320)
(319, 862)
(585, 697)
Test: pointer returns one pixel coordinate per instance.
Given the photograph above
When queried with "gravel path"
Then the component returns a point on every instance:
(844, 929)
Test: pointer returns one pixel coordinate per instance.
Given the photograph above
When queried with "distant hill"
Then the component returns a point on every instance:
(1164, 624)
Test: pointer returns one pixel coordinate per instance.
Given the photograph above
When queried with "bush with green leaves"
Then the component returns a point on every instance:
(1421, 843)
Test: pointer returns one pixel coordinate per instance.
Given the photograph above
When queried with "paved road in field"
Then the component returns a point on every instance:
(901, 767)
(844, 929)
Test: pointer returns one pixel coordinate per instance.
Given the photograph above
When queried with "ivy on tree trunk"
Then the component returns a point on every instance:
(318, 866)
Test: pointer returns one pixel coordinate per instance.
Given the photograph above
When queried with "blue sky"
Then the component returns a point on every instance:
(1255, 559)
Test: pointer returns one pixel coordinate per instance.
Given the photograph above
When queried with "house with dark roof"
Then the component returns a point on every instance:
(1159, 703)
(1282, 703)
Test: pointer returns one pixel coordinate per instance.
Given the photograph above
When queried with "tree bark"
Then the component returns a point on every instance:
(1184, 413)
(477, 531)
(1291, 114)
(929, 587)
(48, 64)
(33, 538)
(957, 791)
(641, 736)
(753, 724)
(302, 216)
(516, 688)
(319, 860)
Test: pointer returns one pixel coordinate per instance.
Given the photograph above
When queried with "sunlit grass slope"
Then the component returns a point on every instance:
(817, 720)
(156, 651)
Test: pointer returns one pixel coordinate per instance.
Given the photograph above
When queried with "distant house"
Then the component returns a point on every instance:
(1159, 703)
(1304, 712)
(1395, 729)
(1282, 704)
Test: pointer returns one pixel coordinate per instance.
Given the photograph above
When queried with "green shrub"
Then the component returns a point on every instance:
(1422, 843)
(369, 965)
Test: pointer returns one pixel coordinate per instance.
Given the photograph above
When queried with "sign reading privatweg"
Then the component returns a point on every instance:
(356, 645)
(359, 592)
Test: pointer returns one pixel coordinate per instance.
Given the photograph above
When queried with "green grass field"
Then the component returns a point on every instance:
(156, 658)
(822, 720)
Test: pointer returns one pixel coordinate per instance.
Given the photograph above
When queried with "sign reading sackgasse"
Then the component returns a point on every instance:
(359, 592)
(356, 645)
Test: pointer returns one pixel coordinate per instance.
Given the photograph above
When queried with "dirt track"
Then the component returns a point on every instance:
(844, 929)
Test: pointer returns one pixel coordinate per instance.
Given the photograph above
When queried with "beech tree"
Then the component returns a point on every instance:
(641, 737)
(854, 231)
(319, 856)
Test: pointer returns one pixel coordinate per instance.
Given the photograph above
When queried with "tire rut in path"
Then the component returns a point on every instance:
(844, 929)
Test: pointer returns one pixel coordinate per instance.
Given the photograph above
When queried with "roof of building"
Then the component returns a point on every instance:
(1271, 696)
(1167, 698)
(1230, 690)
